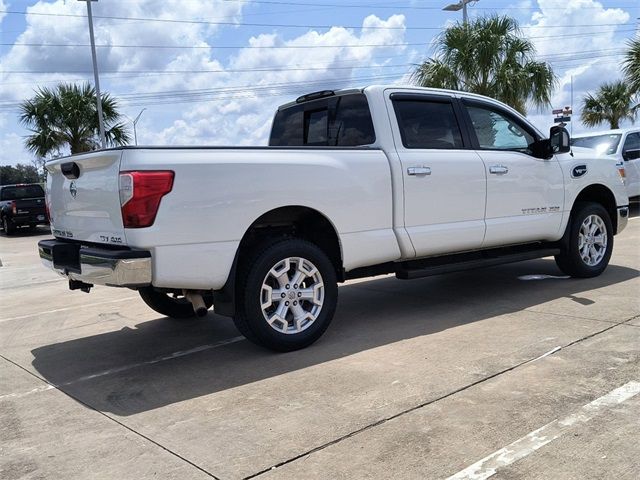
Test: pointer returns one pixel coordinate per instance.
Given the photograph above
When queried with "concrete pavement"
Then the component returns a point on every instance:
(415, 379)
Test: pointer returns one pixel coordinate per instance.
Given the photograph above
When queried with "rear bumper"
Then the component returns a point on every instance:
(623, 218)
(97, 266)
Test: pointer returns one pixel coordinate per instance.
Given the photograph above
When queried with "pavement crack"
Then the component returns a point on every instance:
(114, 420)
(434, 400)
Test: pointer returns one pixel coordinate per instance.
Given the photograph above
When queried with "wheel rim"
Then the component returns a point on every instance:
(592, 240)
(292, 295)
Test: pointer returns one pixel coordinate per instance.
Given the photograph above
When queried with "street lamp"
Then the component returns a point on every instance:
(103, 138)
(135, 122)
(461, 5)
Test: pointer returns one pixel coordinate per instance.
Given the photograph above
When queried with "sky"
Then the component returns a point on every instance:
(212, 72)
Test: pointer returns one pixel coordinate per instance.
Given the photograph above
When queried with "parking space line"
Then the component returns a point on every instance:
(537, 439)
(22, 317)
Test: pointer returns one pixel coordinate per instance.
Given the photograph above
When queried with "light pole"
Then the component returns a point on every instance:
(103, 138)
(461, 5)
(135, 122)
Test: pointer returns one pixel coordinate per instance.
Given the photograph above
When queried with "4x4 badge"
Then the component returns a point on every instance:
(73, 190)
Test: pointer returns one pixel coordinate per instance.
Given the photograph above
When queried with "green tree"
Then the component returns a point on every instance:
(10, 175)
(489, 57)
(612, 103)
(631, 65)
(66, 116)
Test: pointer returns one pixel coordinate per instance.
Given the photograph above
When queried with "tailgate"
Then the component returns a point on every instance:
(84, 199)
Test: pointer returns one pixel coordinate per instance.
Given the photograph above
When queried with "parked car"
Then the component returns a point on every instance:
(621, 144)
(355, 183)
(22, 205)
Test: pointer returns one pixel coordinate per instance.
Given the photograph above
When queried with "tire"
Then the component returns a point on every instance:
(275, 323)
(9, 228)
(588, 248)
(177, 308)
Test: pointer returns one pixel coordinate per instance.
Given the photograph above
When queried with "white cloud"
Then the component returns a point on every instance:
(247, 122)
(3, 6)
(563, 26)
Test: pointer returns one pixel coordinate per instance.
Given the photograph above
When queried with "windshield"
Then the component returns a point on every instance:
(607, 143)
(22, 191)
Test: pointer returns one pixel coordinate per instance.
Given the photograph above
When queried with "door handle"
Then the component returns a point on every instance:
(419, 171)
(498, 169)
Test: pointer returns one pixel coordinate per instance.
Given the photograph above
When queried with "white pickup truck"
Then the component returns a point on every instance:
(354, 183)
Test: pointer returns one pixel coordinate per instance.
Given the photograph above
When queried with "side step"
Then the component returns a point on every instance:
(468, 261)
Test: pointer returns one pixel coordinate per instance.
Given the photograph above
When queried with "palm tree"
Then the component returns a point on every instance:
(613, 102)
(488, 56)
(631, 65)
(67, 116)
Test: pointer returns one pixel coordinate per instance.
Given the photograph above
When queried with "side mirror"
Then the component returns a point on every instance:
(559, 139)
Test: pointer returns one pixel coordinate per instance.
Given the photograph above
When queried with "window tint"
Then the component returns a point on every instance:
(497, 131)
(343, 121)
(631, 148)
(316, 127)
(17, 193)
(426, 124)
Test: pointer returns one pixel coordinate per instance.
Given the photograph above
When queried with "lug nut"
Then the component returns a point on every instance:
(295, 303)
(287, 286)
(282, 295)
(299, 294)
(286, 304)
(295, 286)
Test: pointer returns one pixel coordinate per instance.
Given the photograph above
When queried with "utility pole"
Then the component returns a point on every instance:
(461, 5)
(135, 122)
(103, 138)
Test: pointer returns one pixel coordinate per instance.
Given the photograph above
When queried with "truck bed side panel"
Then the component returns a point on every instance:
(219, 193)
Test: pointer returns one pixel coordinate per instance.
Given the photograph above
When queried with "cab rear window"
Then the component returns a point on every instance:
(21, 191)
(342, 121)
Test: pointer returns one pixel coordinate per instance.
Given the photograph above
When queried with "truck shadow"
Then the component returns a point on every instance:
(154, 364)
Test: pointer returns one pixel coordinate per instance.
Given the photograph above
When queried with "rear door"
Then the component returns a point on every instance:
(444, 178)
(525, 194)
(84, 198)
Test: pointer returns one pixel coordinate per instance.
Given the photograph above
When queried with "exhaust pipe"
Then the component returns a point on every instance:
(197, 302)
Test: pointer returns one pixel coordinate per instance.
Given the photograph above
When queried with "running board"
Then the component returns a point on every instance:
(449, 263)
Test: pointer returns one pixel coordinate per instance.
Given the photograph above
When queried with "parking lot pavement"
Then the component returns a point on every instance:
(423, 379)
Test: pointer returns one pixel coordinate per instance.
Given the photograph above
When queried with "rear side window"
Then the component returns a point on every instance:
(20, 192)
(428, 124)
(343, 121)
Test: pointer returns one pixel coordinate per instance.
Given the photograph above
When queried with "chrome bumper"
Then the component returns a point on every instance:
(97, 266)
(623, 218)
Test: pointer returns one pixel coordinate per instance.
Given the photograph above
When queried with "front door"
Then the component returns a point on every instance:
(525, 194)
(631, 156)
(444, 178)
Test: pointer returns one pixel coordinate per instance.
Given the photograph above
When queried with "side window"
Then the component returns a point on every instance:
(498, 131)
(343, 121)
(427, 124)
(631, 148)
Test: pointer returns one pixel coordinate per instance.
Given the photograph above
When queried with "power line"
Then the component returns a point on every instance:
(284, 25)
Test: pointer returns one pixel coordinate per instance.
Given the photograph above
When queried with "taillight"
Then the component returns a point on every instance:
(14, 207)
(140, 195)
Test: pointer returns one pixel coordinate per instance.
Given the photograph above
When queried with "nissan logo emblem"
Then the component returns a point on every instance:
(73, 190)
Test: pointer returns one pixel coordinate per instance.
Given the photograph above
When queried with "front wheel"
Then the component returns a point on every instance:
(287, 295)
(174, 306)
(590, 242)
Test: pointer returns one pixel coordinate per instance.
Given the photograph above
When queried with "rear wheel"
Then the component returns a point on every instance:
(590, 242)
(171, 305)
(287, 295)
